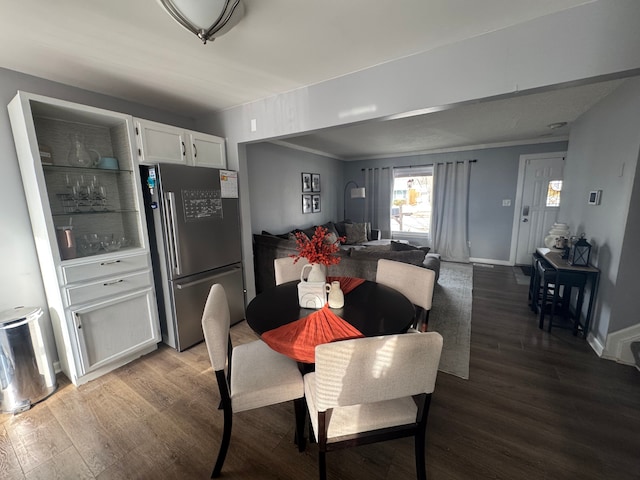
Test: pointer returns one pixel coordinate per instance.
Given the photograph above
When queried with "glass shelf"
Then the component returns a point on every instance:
(88, 170)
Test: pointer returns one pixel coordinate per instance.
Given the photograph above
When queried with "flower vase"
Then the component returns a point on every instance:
(317, 273)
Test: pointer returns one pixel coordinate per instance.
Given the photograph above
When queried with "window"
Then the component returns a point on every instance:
(411, 200)
(553, 193)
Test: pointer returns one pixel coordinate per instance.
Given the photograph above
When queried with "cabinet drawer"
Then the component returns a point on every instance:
(104, 268)
(108, 287)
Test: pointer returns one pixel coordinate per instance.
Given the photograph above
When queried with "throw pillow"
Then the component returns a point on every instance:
(331, 238)
(356, 233)
(340, 227)
(402, 247)
(309, 232)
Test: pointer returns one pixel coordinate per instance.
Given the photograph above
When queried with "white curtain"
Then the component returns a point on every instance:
(377, 206)
(450, 215)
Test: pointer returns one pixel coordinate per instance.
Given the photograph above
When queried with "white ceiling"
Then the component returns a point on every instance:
(135, 51)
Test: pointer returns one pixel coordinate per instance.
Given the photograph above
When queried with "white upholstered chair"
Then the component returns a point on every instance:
(415, 283)
(249, 376)
(373, 389)
(286, 270)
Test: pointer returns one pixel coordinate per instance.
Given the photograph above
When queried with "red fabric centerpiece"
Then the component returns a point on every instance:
(298, 339)
(347, 284)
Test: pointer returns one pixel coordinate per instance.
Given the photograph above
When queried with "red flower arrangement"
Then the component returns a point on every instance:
(317, 249)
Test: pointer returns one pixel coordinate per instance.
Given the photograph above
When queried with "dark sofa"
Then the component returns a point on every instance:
(356, 260)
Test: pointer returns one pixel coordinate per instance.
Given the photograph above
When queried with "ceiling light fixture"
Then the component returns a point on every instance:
(207, 19)
(554, 126)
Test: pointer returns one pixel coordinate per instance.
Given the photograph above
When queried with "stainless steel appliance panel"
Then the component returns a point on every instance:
(190, 295)
(202, 229)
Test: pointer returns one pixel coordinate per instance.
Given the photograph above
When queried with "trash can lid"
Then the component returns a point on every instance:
(18, 314)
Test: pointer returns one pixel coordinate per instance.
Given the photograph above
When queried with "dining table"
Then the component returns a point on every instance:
(370, 309)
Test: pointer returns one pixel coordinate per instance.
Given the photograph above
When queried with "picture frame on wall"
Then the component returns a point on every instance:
(315, 203)
(315, 182)
(306, 182)
(306, 204)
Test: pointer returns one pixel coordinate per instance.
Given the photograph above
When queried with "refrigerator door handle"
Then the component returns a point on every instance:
(172, 235)
(180, 286)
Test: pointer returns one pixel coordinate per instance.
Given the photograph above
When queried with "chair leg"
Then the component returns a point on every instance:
(224, 446)
(421, 469)
(322, 465)
(425, 321)
(300, 408)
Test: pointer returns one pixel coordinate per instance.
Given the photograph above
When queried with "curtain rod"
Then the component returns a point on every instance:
(426, 164)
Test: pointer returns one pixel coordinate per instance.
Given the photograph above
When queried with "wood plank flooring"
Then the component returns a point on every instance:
(536, 406)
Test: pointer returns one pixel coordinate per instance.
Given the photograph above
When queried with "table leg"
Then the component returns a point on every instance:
(595, 279)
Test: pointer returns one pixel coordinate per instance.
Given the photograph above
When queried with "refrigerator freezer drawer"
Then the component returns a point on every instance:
(190, 295)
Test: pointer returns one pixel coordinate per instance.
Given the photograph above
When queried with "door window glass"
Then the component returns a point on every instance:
(553, 193)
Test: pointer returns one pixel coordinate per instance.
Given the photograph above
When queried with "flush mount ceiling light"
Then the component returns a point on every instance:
(207, 19)
(554, 126)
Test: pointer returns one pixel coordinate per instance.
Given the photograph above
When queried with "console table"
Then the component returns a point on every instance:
(562, 268)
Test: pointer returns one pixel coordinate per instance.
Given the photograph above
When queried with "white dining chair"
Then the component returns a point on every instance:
(415, 283)
(286, 270)
(249, 376)
(373, 389)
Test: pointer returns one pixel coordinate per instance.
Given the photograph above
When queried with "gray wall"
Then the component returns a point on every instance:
(603, 154)
(589, 41)
(274, 174)
(20, 279)
(493, 178)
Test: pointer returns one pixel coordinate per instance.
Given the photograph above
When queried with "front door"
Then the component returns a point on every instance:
(538, 203)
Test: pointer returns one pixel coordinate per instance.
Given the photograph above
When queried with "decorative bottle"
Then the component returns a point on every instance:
(336, 296)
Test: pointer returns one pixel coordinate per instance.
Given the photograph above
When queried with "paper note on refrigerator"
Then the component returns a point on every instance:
(229, 183)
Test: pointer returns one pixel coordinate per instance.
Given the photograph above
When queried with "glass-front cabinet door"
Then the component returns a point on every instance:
(81, 181)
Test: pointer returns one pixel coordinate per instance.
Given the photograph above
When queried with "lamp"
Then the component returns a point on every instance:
(357, 192)
(579, 253)
(205, 18)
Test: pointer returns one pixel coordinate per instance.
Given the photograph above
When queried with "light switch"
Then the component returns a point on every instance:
(506, 202)
(254, 124)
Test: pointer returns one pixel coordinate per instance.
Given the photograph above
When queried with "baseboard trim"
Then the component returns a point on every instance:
(595, 344)
(618, 345)
(490, 261)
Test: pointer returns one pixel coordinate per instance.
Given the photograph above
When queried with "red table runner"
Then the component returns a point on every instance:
(298, 339)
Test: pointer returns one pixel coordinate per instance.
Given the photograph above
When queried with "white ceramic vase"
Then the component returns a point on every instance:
(317, 273)
(336, 295)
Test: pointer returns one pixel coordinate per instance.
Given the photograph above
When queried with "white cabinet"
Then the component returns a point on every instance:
(160, 143)
(90, 232)
(96, 324)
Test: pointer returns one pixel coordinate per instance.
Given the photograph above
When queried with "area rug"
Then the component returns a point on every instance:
(521, 277)
(451, 316)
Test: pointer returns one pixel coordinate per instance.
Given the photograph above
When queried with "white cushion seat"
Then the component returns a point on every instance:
(261, 376)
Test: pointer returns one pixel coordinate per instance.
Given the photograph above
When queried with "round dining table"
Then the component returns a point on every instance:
(371, 308)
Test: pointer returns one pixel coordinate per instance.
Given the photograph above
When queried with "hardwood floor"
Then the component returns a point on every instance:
(536, 406)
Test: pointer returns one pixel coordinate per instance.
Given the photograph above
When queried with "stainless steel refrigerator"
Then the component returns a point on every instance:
(194, 229)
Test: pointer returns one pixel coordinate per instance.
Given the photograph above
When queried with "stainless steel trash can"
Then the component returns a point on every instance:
(26, 367)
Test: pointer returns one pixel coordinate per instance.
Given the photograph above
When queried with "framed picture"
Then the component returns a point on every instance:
(315, 203)
(306, 182)
(315, 182)
(306, 204)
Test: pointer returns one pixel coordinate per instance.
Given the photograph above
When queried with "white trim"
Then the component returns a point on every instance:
(490, 261)
(618, 344)
(481, 146)
(293, 146)
(518, 199)
(595, 344)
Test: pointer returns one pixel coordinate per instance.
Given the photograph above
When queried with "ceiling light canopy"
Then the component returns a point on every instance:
(207, 19)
